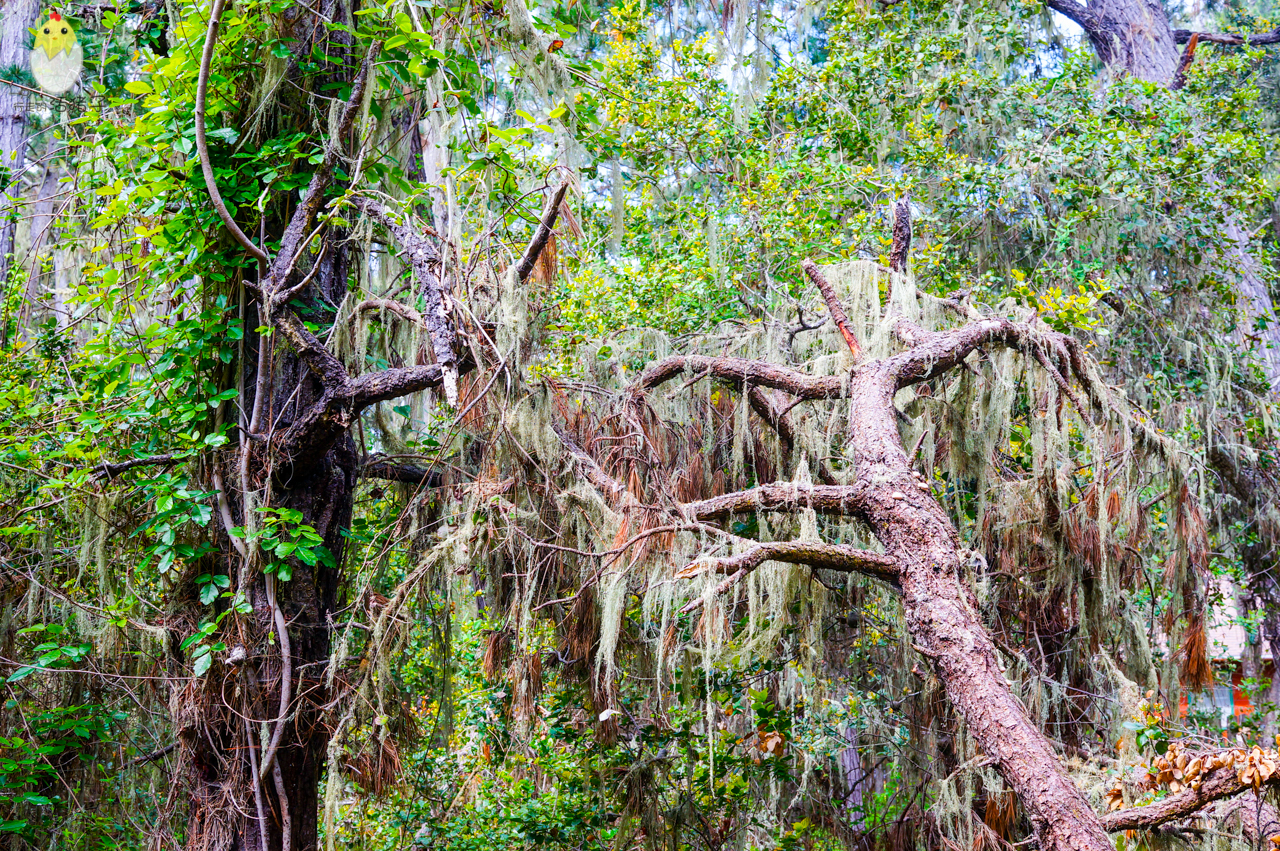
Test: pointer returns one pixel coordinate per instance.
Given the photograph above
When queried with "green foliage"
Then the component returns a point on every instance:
(707, 165)
(285, 536)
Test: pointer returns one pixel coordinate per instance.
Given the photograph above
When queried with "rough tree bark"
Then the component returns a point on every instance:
(940, 616)
(255, 770)
(252, 733)
(41, 225)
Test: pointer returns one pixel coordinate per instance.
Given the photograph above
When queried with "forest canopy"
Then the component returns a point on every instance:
(555, 425)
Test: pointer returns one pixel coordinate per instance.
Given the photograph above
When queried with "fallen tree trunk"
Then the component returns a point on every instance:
(943, 620)
(921, 546)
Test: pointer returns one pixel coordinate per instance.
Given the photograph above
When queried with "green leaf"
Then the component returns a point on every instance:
(227, 134)
(22, 673)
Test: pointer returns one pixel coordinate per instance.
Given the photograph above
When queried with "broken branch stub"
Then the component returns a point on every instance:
(541, 234)
(423, 261)
(833, 306)
(900, 251)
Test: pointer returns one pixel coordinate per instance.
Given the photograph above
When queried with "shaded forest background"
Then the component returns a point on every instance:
(422, 427)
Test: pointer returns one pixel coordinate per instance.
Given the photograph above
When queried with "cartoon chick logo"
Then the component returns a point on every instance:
(57, 57)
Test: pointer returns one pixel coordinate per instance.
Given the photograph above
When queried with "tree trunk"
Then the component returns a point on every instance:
(1271, 635)
(41, 237)
(942, 618)
(14, 41)
(1134, 36)
(217, 746)
(253, 730)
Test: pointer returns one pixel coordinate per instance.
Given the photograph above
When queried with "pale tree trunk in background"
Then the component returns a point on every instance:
(1135, 36)
(42, 241)
(1261, 324)
(18, 17)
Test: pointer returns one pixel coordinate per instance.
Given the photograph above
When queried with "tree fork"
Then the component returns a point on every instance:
(923, 552)
(270, 803)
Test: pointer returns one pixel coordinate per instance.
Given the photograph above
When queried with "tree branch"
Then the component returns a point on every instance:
(151, 757)
(1235, 39)
(423, 259)
(741, 370)
(812, 553)
(595, 474)
(405, 474)
(833, 306)
(1188, 56)
(314, 432)
(1077, 12)
(524, 266)
(1218, 784)
(404, 311)
(935, 352)
(387, 384)
(322, 363)
(779, 419)
(202, 143)
(1258, 820)
(826, 499)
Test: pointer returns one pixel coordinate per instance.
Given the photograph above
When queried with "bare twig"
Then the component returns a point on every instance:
(151, 757)
(110, 471)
